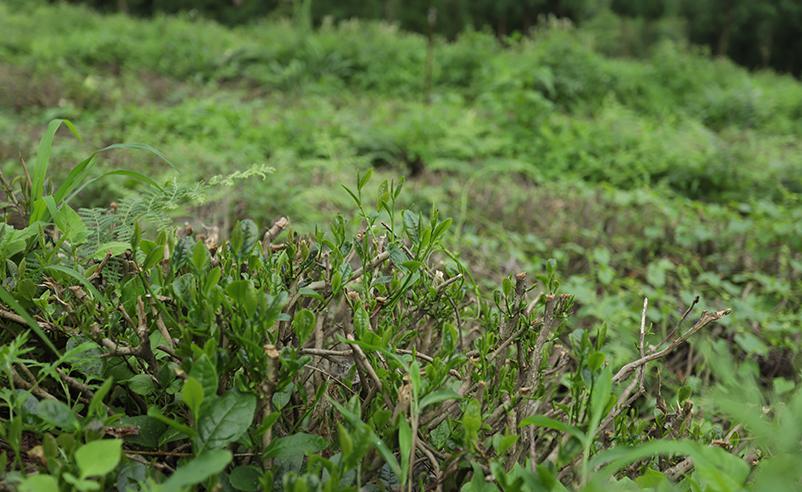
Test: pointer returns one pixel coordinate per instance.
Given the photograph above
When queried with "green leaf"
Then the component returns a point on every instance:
(244, 237)
(200, 256)
(114, 247)
(244, 293)
(478, 482)
(405, 447)
(596, 360)
(345, 441)
(42, 160)
(295, 445)
(77, 180)
(155, 413)
(150, 430)
(39, 483)
(142, 384)
(196, 471)
(471, 422)
(751, 344)
(303, 324)
(70, 224)
(76, 175)
(7, 298)
(245, 478)
(192, 395)
(204, 371)
(13, 241)
(96, 404)
(503, 442)
(58, 414)
(724, 470)
(549, 423)
(98, 458)
(361, 321)
(117, 172)
(437, 397)
(380, 446)
(600, 397)
(226, 419)
(79, 484)
(440, 434)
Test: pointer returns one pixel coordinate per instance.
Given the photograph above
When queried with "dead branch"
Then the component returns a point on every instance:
(273, 232)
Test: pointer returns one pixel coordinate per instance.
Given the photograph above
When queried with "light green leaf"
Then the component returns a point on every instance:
(192, 394)
(96, 404)
(438, 397)
(58, 414)
(600, 397)
(97, 458)
(478, 482)
(295, 445)
(9, 300)
(70, 224)
(39, 483)
(303, 324)
(114, 247)
(405, 445)
(196, 471)
(155, 413)
(543, 421)
(142, 384)
(204, 371)
(380, 446)
(42, 160)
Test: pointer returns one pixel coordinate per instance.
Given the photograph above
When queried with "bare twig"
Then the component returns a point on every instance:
(32, 386)
(273, 232)
(532, 379)
(99, 270)
(705, 320)
(266, 397)
(330, 376)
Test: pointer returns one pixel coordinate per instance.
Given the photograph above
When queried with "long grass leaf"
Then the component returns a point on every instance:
(7, 298)
(81, 279)
(42, 161)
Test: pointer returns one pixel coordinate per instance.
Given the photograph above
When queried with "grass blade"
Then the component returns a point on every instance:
(7, 298)
(42, 161)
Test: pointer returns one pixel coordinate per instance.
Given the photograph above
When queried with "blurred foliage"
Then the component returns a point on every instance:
(755, 33)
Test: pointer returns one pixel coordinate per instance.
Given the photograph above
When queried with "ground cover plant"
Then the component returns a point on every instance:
(473, 316)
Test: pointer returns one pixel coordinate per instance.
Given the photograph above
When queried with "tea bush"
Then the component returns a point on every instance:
(160, 360)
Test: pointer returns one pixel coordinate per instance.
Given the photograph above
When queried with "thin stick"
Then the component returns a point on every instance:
(705, 320)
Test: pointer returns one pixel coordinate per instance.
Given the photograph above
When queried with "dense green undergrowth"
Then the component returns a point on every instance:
(672, 176)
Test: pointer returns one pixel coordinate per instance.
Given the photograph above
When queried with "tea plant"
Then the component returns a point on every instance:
(359, 356)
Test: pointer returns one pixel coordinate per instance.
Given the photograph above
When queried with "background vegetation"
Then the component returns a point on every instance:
(756, 33)
(611, 161)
